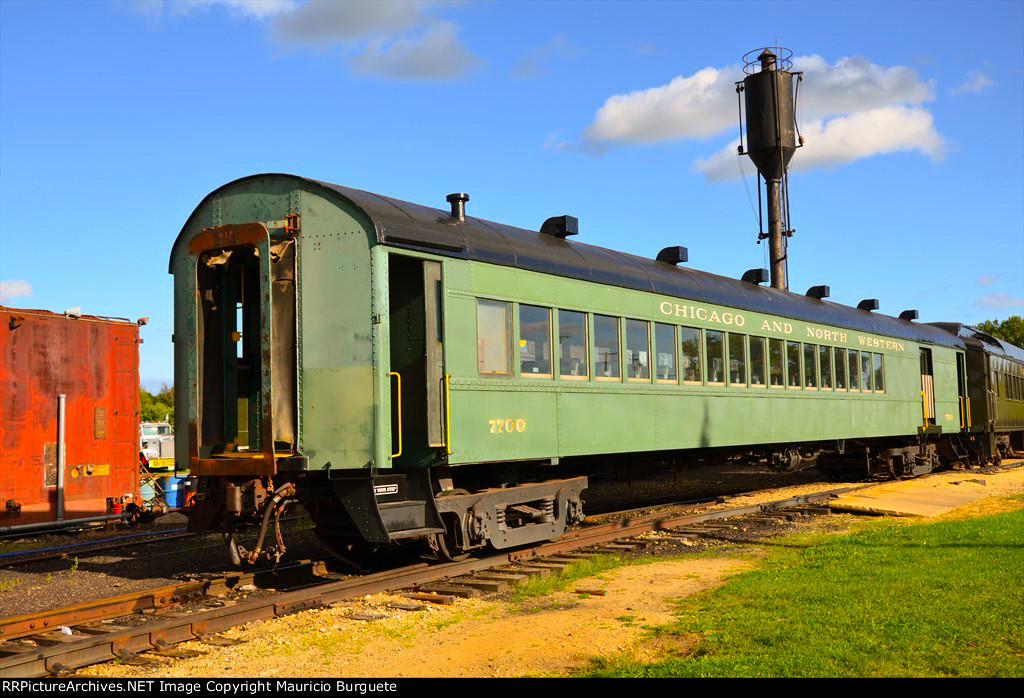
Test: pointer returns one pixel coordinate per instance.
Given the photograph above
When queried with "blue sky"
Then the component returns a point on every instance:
(117, 117)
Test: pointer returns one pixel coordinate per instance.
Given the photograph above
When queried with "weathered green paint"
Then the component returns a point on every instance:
(1006, 405)
(337, 426)
(344, 338)
(338, 419)
(593, 417)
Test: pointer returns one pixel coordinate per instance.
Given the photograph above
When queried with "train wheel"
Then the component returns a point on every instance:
(445, 545)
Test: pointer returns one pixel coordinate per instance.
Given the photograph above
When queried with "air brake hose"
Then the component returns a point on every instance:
(285, 490)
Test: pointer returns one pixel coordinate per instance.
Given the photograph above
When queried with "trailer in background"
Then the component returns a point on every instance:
(156, 441)
(69, 418)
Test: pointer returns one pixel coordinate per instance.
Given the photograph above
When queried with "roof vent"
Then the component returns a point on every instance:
(561, 226)
(674, 255)
(819, 292)
(755, 276)
(908, 315)
(458, 201)
(868, 304)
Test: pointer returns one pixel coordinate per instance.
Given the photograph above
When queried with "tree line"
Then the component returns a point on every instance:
(158, 407)
(1009, 330)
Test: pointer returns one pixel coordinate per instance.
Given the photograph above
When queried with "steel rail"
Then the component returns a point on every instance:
(595, 535)
(15, 627)
(100, 609)
(26, 557)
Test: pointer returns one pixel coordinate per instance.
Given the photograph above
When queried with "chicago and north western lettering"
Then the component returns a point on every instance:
(881, 343)
(725, 317)
(702, 313)
(827, 335)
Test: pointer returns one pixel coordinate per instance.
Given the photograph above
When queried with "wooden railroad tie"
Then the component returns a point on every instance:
(439, 599)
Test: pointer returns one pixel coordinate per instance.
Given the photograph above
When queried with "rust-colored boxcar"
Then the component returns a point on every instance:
(93, 362)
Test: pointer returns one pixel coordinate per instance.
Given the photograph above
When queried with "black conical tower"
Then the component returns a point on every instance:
(771, 142)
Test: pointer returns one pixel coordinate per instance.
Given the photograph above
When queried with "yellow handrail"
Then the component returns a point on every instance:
(962, 421)
(968, 412)
(399, 377)
(448, 412)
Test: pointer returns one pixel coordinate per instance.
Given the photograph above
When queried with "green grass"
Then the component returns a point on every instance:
(942, 599)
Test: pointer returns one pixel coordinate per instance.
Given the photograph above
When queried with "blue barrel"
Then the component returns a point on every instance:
(174, 491)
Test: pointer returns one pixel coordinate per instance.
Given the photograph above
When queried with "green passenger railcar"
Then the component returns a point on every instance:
(407, 372)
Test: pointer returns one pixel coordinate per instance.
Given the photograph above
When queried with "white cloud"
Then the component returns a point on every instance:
(437, 54)
(976, 83)
(855, 84)
(333, 20)
(704, 104)
(14, 289)
(388, 38)
(845, 139)
(988, 280)
(847, 110)
(999, 300)
(257, 9)
(688, 108)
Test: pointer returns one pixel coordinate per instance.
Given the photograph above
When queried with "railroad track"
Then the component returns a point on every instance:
(58, 642)
(25, 557)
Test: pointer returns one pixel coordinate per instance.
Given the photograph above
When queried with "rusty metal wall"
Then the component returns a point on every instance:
(94, 362)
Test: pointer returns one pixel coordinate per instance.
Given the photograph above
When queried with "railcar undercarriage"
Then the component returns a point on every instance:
(382, 509)
(455, 511)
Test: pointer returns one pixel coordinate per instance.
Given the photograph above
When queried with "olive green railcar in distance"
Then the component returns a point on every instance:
(408, 373)
(996, 392)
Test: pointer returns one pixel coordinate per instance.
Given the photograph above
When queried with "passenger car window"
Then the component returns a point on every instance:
(534, 342)
(776, 359)
(572, 345)
(493, 349)
(606, 347)
(840, 369)
(810, 366)
(737, 359)
(638, 350)
(825, 361)
(665, 343)
(793, 364)
(757, 364)
(716, 356)
(879, 372)
(691, 363)
(854, 365)
(865, 370)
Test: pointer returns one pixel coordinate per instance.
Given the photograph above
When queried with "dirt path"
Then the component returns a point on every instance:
(473, 638)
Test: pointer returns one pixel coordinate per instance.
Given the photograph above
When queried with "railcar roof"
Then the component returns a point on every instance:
(974, 336)
(64, 316)
(412, 226)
